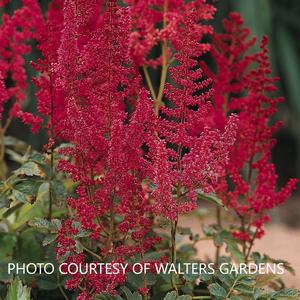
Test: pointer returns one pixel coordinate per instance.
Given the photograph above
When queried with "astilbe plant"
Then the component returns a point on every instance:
(138, 151)
(97, 78)
(16, 31)
(95, 72)
(244, 85)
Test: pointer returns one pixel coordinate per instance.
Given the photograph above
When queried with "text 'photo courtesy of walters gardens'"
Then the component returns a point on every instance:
(144, 268)
(149, 150)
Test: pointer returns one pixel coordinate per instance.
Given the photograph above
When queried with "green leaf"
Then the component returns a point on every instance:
(30, 169)
(12, 209)
(21, 197)
(218, 239)
(59, 190)
(27, 186)
(184, 231)
(54, 225)
(136, 281)
(217, 290)
(37, 158)
(286, 294)
(43, 194)
(171, 296)
(49, 239)
(17, 291)
(40, 223)
(129, 295)
(25, 190)
(155, 255)
(234, 250)
(244, 289)
(29, 248)
(7, 242)
(27, 213)
(226, 279)
(212, 198)
(4, 201)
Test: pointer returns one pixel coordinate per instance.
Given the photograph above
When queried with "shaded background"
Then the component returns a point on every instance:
(280, 20)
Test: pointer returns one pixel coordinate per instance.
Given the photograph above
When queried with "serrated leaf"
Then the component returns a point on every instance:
(37, 158)
(226, 279)
(217, 290)
(244, 289)
(30, 169)
(234, 250)
(21, 197)
(212, 198)
(49, 239)
(129, 295)
(205, 277)
(17, 291)
(41, 223)
(171, 296)
(59, 190)
(28, 186)
(286, 294)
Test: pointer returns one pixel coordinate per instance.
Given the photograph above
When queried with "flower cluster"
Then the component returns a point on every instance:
(191, 154)
(97, 80)
(243, 84)
(15, 33)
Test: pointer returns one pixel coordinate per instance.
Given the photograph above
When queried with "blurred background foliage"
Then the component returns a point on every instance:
(280, 20)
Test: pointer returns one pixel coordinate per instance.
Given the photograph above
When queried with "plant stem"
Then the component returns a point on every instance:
(149, 82)
(250, 246)
(111, 225)
(3, 130)
(173, 253)
(219, 222)
(51, 152)
(90, 252)
(243, 230)
(231, 289)
(60, 287)
(164, 70)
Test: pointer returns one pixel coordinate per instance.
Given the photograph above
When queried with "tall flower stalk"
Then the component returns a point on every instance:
(244, 84)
